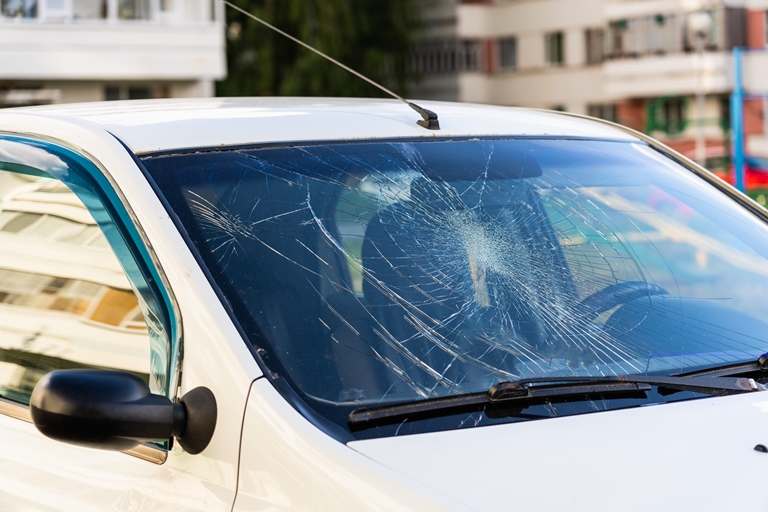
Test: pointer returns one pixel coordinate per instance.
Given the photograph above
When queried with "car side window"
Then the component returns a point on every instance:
(73, 294)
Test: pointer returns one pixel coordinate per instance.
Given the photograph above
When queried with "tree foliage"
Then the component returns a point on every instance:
(373, 37)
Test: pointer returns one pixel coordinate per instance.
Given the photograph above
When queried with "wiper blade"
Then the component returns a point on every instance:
(717, 386)
(498, 394)
(552, 388)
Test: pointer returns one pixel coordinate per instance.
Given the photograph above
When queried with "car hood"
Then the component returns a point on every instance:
(695, 455)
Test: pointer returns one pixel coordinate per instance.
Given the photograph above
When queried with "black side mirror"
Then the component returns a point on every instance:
(114, 410)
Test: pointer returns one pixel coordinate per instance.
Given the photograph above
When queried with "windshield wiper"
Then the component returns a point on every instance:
(543, 389)
(760, 365)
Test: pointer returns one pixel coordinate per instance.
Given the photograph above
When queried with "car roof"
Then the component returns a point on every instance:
(169, 124)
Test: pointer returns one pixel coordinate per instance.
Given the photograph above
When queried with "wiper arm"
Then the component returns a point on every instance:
(760, 365)
(548, 388)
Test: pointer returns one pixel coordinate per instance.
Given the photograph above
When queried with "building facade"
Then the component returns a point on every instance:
(88, 50)
(440, 55)
(636, 62)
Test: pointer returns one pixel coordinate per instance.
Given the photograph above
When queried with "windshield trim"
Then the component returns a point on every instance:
(389, 140)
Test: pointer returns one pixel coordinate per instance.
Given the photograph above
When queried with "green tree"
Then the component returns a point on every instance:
(373, 37)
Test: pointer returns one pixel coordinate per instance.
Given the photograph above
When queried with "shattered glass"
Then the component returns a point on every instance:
(380, 272)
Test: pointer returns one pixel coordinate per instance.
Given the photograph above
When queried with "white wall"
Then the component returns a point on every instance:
(575, 47)
(615, 9)
(526, 16)
(530, 48)
(74, 92)
(199, 89)
(665, 75)
(572, 89)
(755, 73)
(111, 52)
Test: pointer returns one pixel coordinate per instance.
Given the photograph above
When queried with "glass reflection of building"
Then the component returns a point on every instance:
(65, 301)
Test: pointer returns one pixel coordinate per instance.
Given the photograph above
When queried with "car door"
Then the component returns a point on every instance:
(80, 288)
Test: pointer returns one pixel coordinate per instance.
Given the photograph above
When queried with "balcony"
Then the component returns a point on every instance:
(653, 54)
(173, 40)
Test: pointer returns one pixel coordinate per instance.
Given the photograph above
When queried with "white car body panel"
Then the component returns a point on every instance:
(288, 464)
(37, 473)
(147, 126)
(696, 455)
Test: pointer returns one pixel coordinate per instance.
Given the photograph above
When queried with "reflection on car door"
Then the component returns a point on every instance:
(67, 302)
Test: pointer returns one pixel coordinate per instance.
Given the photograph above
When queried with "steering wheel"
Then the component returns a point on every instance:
(615, 295)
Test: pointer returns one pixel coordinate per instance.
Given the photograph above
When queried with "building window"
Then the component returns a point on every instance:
(660, 34)
(725, 112)
(111, 93)
(469, 55)
(605, 111)
(29, 95)
(594, 42)
(135, 92)
(440, 57)
(88, 9)
(663, 34)
(554, 43)
(507, 53)
(673, 114)
(18, 8)
(764, 116)
(667, 114)
(133, 9)
(139, 93)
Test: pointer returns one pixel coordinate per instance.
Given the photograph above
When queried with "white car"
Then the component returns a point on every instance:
(316, 304)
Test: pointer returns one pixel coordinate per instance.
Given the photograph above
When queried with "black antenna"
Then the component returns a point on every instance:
(429, 118)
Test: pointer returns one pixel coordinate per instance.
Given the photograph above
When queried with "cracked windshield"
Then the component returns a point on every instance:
(375, 273)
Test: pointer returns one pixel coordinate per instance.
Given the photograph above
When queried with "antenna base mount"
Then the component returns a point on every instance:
(429, 120)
